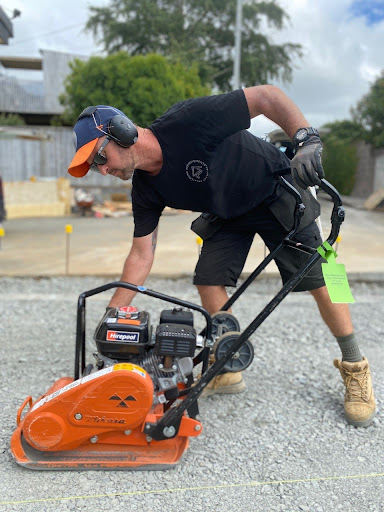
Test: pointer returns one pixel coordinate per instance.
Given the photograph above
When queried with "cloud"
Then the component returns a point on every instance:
(43, 25)
(342, 57)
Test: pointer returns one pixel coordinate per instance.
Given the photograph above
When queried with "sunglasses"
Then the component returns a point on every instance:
(99, 159)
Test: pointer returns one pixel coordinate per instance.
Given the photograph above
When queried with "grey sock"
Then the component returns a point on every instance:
(349, 348)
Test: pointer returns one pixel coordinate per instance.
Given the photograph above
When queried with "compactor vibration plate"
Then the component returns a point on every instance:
(97, 422)
(156, 456)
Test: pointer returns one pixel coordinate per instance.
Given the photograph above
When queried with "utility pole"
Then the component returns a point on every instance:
(237, 57)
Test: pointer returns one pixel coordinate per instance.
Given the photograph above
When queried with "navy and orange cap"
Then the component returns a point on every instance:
(90, 126)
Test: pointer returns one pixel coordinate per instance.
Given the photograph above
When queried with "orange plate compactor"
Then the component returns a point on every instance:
(130, 408)
(136, 407)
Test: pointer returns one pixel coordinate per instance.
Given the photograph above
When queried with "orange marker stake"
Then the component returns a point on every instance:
(199, 242)
(2, 233)
(338, 239)
(68, 231)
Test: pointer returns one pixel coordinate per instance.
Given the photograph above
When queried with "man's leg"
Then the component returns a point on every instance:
(360, 406)
(359, 398)
(212, 299)
(336, 316)
(220, 264)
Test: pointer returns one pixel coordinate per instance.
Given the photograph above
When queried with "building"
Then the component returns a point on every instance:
(36, 101)
(6, 29)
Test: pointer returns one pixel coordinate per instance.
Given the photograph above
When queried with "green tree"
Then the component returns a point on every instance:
(345, 130)
(340, 163)
(369, 113)
(340, 155)
(199, 31)
(11, 120)
(143, 87)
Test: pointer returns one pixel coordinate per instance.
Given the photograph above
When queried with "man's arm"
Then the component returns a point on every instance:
(306, 166)
(136, 267)
(275, 104)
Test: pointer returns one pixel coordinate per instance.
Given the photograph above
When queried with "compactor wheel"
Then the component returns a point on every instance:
(241, 359)
(223, 322)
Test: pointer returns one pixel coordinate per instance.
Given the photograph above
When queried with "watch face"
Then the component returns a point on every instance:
(301, 134)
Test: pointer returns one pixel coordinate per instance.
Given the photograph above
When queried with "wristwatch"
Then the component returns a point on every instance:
(303, 134)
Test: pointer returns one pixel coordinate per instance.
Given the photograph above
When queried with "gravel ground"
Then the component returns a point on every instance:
(283, 445)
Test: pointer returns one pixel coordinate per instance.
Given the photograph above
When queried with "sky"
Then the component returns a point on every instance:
(342, 41)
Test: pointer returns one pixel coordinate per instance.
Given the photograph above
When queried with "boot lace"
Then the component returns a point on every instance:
(357, 385)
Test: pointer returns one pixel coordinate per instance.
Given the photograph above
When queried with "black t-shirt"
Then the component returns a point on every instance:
(211, 163)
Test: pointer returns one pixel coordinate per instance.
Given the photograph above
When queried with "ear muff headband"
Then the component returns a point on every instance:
(120, 128)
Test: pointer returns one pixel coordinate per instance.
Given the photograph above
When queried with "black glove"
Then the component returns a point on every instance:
(306, 166)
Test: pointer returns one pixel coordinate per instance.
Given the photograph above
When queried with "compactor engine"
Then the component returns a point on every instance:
(125, 335)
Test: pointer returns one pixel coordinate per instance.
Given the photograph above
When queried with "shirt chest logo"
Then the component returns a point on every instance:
(197, 170)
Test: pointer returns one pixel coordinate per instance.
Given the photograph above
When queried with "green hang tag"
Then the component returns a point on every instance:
(334, 276)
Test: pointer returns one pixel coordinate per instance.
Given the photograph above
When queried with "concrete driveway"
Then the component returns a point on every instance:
(99, 246)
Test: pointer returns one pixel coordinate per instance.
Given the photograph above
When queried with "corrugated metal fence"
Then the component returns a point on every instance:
(20, 159)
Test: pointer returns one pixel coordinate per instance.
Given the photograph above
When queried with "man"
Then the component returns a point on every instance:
(199, 156)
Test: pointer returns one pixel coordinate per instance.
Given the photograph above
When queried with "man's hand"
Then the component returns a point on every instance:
(306, 166)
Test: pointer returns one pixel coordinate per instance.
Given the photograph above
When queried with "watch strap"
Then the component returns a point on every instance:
(310, 132)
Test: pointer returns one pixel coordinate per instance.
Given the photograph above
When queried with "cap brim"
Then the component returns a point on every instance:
(79, 165)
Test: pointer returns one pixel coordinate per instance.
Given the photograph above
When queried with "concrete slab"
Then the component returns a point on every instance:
(38, 247)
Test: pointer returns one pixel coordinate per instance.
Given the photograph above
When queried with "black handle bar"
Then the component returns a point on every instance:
(338, 212)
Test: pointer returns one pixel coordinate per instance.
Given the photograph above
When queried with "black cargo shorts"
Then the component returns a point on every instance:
(224, 252)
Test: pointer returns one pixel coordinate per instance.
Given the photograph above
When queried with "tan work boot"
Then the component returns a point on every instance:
(359, 402)
(226, 383)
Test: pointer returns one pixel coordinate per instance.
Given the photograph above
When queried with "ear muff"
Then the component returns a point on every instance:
(122, 130)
